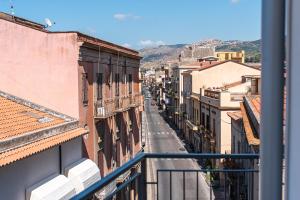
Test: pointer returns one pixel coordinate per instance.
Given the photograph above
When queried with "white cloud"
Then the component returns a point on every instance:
(126, 45)
(150, 43)
(123, 17)
(235, 1)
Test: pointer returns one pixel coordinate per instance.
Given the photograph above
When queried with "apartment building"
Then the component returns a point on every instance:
(209, 92)
(237, 56)
(87, 78)
(41, 152)
(245, 138)
(176, 106)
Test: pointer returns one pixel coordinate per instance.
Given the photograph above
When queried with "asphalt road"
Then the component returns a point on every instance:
(160, 137)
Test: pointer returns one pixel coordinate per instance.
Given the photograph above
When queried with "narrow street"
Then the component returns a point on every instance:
(161, 138)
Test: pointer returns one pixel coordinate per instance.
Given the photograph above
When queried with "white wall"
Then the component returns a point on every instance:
(217, 76)
(16, 177)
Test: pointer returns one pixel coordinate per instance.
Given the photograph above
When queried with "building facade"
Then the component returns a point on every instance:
(210, 92)
(238, 56)
(245, 140)
(41, 152)
(87, 78)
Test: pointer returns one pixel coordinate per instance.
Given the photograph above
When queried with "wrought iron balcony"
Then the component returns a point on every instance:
(122, 103)
(104, 108)
(108, 107)
(219, 188)
(136, 100)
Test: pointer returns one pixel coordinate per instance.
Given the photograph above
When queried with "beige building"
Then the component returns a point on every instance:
(176, 96)
(245, 139)
(209, 93)
(238, 56)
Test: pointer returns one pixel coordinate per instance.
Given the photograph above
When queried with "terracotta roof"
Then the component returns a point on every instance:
(16, 119)
(213, 64)
(107, 45)
(203, 63)
(255, 105)
(38, 146)
(188, 72)
(235, 115)
(27, 128)
(250, 135)
(233, 84)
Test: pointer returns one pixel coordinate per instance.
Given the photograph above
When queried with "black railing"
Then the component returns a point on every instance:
(140, 176)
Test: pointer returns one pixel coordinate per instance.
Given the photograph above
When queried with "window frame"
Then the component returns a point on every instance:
(99, 86)
(85, 88)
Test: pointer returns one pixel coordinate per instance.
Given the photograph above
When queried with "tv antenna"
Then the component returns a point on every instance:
(48, 23)
(12, 10)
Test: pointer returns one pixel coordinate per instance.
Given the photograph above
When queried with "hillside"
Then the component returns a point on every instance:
(153, 57)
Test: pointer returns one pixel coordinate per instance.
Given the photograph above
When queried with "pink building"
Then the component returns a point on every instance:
(84, 77)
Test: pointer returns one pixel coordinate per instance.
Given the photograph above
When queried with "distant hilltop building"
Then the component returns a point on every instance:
(195, 52)
(238, 56)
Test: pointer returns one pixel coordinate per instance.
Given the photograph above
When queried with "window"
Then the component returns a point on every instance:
(84, 88)
(101, 133)
(207, 122)
(130, 83)
(202, 119)
(118, 127)
(108, 73)
(117, 84)
(214, 128)
(233, 144)
(99, 85)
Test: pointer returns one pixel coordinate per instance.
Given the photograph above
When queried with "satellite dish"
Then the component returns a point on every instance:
(48, 22)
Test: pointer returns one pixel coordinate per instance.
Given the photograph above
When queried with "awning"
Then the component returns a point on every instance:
(83, 174)
(54, 188)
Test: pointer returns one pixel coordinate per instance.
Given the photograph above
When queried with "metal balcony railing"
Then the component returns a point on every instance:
(229, 177)
(135, 100)
(122, 104)
(105, 108)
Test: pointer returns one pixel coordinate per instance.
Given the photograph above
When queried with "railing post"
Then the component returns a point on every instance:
(142, 187)
(271, 129)
(170, 185)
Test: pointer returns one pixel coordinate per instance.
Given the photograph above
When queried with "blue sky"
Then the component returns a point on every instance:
(144, 23)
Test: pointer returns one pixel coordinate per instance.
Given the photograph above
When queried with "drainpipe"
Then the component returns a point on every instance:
(60, 160)
(271, 130)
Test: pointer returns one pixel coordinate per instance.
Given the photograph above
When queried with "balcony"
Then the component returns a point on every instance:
(105, 108)
(122, 104)
(108, 107)
(184, 183)
(191, 125)
(135, 100)
(212, 94)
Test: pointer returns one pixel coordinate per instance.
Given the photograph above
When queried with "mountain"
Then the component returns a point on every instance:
(251, 48)
(153, 57)
(161, 52)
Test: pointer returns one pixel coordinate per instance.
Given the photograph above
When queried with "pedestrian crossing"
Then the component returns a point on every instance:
(160, 133)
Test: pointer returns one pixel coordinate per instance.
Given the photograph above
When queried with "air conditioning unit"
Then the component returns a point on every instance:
(53, 187)
(101, 111)
(82, 174)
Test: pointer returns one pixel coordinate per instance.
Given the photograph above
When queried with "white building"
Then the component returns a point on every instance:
(41, 153)
(209, 93)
